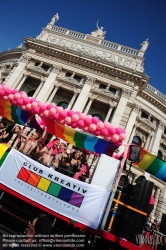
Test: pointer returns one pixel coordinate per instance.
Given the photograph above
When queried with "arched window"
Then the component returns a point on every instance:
(31, 93)
(63, 104)
(137, 140)
(160, 155)
(98, 116)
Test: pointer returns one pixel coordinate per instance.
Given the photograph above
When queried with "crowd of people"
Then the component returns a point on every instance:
(53, 154)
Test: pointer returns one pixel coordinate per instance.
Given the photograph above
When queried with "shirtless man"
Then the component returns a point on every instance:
(48, 152)
(31, 141)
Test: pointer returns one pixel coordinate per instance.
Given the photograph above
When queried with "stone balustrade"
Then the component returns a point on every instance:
(156, 92)
(104, 43)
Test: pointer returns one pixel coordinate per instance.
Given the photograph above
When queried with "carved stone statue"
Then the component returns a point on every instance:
(99, 33)
(54, 19)
(144, 45)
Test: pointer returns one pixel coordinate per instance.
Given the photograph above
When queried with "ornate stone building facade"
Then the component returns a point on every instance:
(89, 74)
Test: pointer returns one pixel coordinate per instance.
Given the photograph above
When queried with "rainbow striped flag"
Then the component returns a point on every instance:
(152, 165)
(17, 115)
(80, 139)
(3, 153)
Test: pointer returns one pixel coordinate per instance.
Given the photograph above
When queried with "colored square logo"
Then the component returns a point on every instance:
(54, 189)
(65, 194)
(23, 174)
(76, 199)
(33, 179)
(43, 184)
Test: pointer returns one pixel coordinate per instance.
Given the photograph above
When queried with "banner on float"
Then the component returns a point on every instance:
(74, 199)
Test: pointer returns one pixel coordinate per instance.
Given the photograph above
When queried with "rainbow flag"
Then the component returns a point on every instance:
(17, 115)
(152, 165)
(80, 139)
(3, 153)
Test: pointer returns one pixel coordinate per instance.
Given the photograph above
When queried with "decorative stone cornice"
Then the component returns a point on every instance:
(93, 97)
(56, 69)
(38, 69)
(90, 80)
(161, 125)
(126, 93)
(76, 91)
(25, 58)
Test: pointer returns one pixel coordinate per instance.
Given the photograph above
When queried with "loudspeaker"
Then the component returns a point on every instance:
(163, 224)
(134, 154)
(128, 223)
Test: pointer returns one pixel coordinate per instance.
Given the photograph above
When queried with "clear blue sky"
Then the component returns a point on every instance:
(127, 22)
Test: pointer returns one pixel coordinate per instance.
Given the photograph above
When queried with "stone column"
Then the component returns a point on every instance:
(54, 90)
(83, 96)
(131, 122)
(132, 134)
(39, 88)
(18, 72)
(76, 91)
(121, 107)
(147, 141)
(109, 112)
(47, 86)
(157, 139)
(22, 81)
(91, 99)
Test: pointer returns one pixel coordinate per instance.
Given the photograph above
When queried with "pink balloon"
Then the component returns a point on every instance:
(59, 109)
(17, 96)
(80, 124)
(11, 97)
(2, 92)
(0, 86)
(56, 116)
(24, 95)
(95, 120)
(122, 136)
(34, 104)
(111, 131)
(82, 116)
(123, 131)
(41, 104)
(85, 129)
(89, 116)
(37, 110)
(14, 102)
(97, 132)
(87, 121)
(118, 131)
(107, 125)
(49, 106)
(70, 113)
(115, 138)
(75, 117)
(108, 138)
(5, 87)
(104, 132)
(26, 100)
(78, 113)
(5, 97)
(100, 125)
(14, 91)
(29, 106)
(32, 100)
(20, 102)
(92, 127)
(63, 115)
(8, 91)
(23, 107)
(73, 125)
(68, 120)
(52, 111)
(43, 107)
(46, 113)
